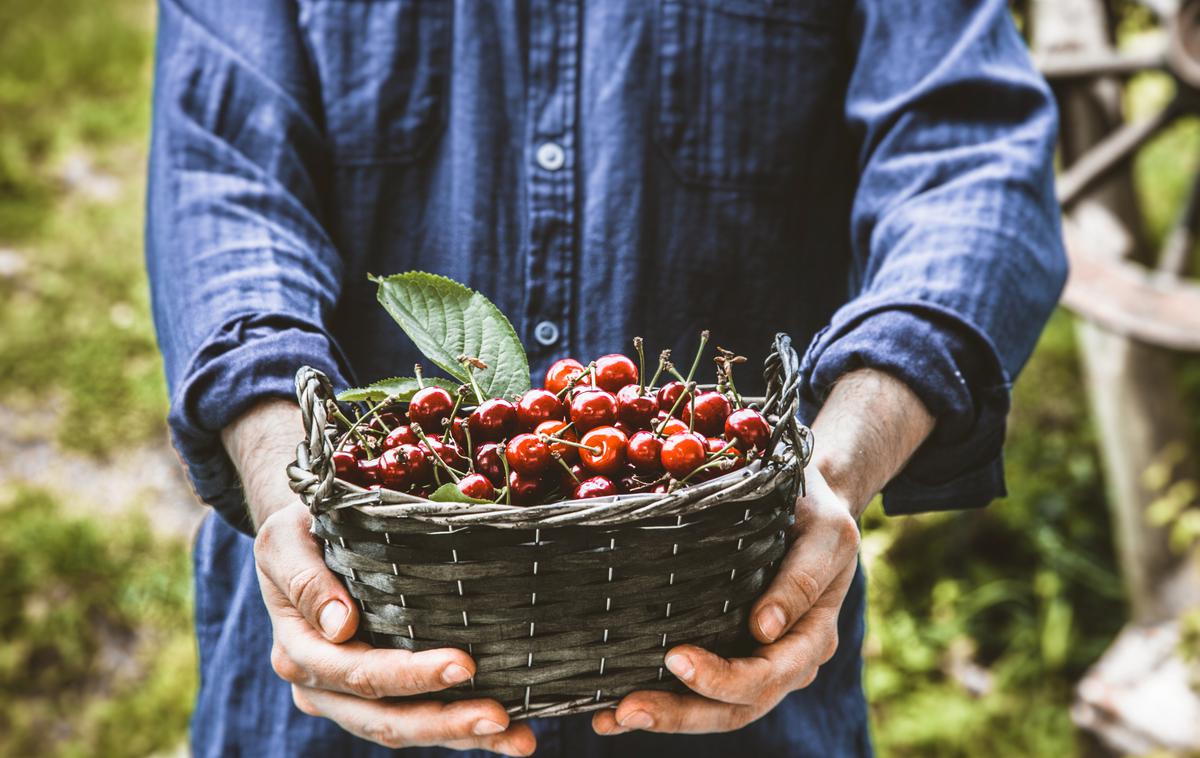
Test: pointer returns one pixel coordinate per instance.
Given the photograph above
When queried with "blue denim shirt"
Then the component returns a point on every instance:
(873, 177)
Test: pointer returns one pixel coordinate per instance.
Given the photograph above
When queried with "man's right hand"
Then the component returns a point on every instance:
(314, 618)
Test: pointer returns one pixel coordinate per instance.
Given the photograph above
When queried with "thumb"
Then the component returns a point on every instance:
(295, 579)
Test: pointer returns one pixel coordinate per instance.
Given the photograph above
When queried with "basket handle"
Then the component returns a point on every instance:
(312, 473)
(782, 373)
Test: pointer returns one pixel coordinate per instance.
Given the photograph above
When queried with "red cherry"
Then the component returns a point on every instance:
(710, 410)
(355, 449)
(667, 396)
(477, 486)
(536, 406)
(636, 408)
(645, 452)
(559, 429)
(345, 465)
(487, 462)
(610, 457)
(596, 486)
(404, 466)
(683, 452)
(593, 408)
(428, 407)
(458, 432)
(674, 426)
(447, 451)
(368, 470)
(749, 428)
(614, 372)
(524, 489)
(401, 435)
(527, 454)
(493, 420)
(561, 372)
(385, 421)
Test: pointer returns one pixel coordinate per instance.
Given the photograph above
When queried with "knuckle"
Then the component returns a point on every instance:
(361, 680)
(384, 733)
(804, 585)
(303, 703)
(831, 646)
(285, 668)
(848, 534)
(809, 677)
(303, 586)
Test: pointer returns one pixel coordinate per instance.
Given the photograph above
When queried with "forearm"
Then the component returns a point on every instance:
(261, 443)
(868, 428)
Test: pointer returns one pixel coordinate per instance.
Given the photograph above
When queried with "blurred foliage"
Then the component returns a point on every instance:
(96, 652)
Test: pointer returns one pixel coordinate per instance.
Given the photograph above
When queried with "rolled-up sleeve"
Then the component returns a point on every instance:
(243, 273)
(958, 259)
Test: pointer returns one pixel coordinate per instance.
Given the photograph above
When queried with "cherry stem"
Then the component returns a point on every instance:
(354, 427)
(546, 438)
(437, 458)
(507, 487)
(688, 388)
(470, 369)
(702, 467)
(453, 415)
(573, 381)
(638, 345)
(554, 454)
(728, 445)
(419, 373)
(664, 360)
(696, 360)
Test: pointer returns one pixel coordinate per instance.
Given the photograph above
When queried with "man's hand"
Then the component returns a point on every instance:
(313, 620)
(867, 429)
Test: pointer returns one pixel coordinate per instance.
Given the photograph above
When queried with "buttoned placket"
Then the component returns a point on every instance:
(551, 159)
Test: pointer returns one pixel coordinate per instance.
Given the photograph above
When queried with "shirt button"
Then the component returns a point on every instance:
(550, 156)
(546, 333)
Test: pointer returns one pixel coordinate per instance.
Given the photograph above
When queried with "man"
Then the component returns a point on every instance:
(874, 178)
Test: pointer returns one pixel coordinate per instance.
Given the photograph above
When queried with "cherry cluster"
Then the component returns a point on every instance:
(590, 431)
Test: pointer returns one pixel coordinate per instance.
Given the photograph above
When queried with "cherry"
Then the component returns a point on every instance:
(487, 462)
(447, 451)
(561, 372)
(709, 409)
(593, 408)
(749, 428)
(477, 486)
(524, 489)
(428, 407)
(368, 470)
(645, 452)
(614, 371)
(635, 407)
(668, 395)
(730, 459)
(573, 477)
(536, 406)
(355, 449)
(493, 420)
(673, 426)
(559, 429)
(404, 466)
(596, 486)
(345, 465)
(401, 435)
(385, 421)
(683, 452)
(527, 454)
(610, 456)
(458, 432)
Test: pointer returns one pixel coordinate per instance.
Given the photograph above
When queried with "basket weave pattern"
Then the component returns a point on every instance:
(566, 607)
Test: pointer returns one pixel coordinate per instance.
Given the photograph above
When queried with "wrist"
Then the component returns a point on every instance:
(261, 443)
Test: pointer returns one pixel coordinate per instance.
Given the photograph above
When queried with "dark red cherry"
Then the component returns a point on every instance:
(524, 489)
(527, 454)
(710, 410)
(428, 407)
(536, 406)
(401, 435)
(596, 486)
(385, 421)
(635, 408)
(368, 470)
(458, 432)
(559, 429)
(404, 466)
(668, 394)
(493, 420)
(477, 486)
(561, 372)
(487, 462)
(593, 408)
(614, 372)
(603, 450)
(345, 465)
(682, 453)
(447, 451)
(644, 452)
(355, 449)
(568, 480)
(749, 428)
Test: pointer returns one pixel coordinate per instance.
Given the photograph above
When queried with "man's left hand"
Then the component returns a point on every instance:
(796, 619)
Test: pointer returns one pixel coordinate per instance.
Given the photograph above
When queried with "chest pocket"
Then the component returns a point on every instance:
(383, 67)
(745, 87)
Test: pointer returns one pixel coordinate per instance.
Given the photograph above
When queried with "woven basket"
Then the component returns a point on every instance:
(568, 606)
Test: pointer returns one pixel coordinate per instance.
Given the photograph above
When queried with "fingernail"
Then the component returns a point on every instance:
(771, 621)
(486, 726)
(333, 615)
(454, 673)
(637, 720)
(681, 666)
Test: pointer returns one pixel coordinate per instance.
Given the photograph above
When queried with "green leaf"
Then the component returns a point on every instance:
(449, 493)
(403, 387)
(446, 320)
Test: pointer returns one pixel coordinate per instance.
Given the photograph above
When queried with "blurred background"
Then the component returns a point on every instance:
(982, 625)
